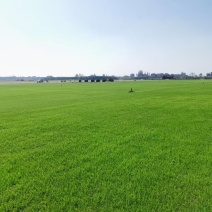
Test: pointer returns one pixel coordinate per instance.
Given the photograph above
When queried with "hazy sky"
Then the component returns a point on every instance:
(113, 37)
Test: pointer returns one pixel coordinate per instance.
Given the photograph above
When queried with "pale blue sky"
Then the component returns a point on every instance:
(113, 37)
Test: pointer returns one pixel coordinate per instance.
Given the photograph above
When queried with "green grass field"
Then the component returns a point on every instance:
(96, 147)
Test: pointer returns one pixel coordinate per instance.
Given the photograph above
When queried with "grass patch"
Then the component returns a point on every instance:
(97, 147)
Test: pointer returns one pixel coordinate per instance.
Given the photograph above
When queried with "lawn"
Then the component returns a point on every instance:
(97, 147)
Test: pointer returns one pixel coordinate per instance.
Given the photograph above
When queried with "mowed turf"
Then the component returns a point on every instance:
(97, 147)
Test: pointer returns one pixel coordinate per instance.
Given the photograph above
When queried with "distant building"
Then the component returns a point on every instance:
(183, 74)
(209, 74)
(153, 75)
(132, 76)
(140, 74)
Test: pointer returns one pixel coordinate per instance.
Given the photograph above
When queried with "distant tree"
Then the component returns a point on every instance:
(111, 79)
(192, 74)
(167, 76)
(49, 77)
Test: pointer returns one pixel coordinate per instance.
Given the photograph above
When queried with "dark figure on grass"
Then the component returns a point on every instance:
(131, 90)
